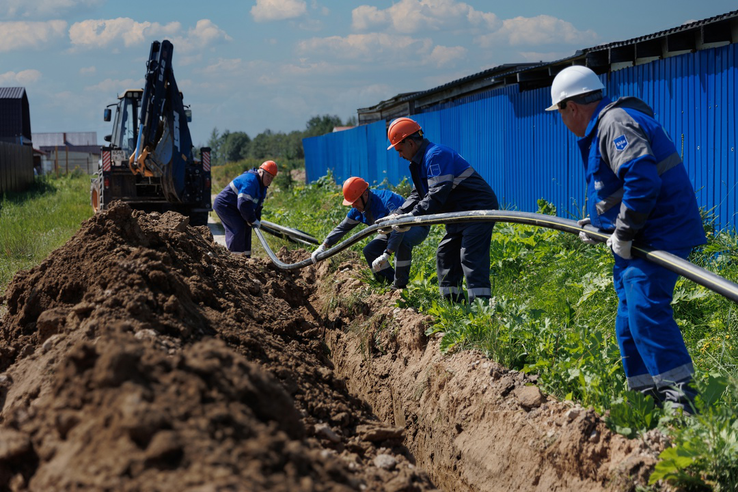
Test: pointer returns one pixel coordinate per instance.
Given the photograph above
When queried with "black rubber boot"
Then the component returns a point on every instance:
(681, 395)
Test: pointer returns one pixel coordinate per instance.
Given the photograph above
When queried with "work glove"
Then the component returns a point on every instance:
(396, 228)
(381, 262)
(393, 217)
(620, 247)
(255, 224)
(583, 236)
(317, 251)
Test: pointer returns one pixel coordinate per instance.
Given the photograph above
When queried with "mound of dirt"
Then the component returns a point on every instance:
(142, 356)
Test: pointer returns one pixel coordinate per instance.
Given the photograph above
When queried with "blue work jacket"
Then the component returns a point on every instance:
(443, 181)
(637, 184)
(247, 193)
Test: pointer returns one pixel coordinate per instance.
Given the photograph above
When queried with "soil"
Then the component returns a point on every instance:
(142, 356)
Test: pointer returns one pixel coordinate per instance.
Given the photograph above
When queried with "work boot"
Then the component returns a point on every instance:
(651, 391)
(681, 395)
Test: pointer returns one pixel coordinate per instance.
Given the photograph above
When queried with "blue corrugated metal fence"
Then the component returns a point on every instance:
(526, 153)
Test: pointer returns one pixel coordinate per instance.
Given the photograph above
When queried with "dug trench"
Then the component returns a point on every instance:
(142, 356)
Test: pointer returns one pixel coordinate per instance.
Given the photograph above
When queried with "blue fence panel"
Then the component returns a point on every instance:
(526, 153)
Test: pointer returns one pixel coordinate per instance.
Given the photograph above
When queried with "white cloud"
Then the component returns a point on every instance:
(367, 47)
(30, 35)
(88, 70)
(22, 78)
(539, 30)
(102, 34)
(366, 16)
(14, 9)
(125, 32)
(203, 35)
(410, 16)
(206, 33)
(446, 55)
(271, 10)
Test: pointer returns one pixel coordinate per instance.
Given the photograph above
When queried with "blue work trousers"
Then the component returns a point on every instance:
(464, 253)
(651, 344)
(400, 274)
(237, 230)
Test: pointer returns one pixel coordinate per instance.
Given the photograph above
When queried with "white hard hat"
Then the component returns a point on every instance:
(573, 81)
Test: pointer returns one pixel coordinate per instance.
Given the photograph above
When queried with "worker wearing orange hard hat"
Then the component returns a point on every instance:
(443, 181)
(367, 206)
(240, 203)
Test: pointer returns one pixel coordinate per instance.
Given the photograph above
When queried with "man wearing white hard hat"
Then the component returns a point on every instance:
(639, 191)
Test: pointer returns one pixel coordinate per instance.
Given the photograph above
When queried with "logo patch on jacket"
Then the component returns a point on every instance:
(434, 170)
(620, 143)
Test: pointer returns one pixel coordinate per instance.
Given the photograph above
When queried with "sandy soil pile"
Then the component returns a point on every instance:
(142, 356)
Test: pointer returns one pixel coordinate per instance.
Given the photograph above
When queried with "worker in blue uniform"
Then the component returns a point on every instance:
(443, 181)
(637, 189)
(240, 203)
(367, 206)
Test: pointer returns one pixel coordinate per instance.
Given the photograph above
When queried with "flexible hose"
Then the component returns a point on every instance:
(698, 275)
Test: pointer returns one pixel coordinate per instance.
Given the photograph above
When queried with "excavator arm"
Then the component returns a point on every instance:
(164, 145)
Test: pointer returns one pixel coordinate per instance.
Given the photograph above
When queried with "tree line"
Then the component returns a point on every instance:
(236, 146)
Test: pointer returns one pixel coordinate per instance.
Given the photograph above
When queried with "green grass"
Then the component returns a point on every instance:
(36, 222)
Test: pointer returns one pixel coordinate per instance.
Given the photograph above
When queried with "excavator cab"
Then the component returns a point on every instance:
(150, 161)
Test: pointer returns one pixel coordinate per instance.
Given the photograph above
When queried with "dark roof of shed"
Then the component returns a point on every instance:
(12, 92)
(660, 34)
(490, 72)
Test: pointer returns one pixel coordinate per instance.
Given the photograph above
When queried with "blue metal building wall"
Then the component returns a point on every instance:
(526, 153)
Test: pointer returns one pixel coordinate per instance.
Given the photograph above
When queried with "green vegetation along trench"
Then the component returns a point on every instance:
(552, 313)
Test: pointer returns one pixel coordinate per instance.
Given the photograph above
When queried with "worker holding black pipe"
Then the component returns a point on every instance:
(367, 206)
(639, 191)
(443, 181)
(240, 203)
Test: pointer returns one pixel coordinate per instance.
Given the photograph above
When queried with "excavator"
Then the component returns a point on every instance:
(150, 162)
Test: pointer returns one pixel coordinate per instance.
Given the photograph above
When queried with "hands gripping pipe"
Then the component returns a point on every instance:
(698, 275)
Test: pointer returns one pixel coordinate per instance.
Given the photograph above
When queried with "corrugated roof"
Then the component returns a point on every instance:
(661, 34)
(12, 92)
(495, 71)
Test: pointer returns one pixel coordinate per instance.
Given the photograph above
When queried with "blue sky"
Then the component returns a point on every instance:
(273, 64)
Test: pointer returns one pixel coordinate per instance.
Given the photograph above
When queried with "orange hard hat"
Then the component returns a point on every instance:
(400, 129)
(270, 167)
(353, 188)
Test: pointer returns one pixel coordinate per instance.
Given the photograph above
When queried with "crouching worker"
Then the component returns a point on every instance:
(239, 206)
(366, 207)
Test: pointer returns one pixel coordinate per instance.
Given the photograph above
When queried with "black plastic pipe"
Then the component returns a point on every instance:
(686, 269)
